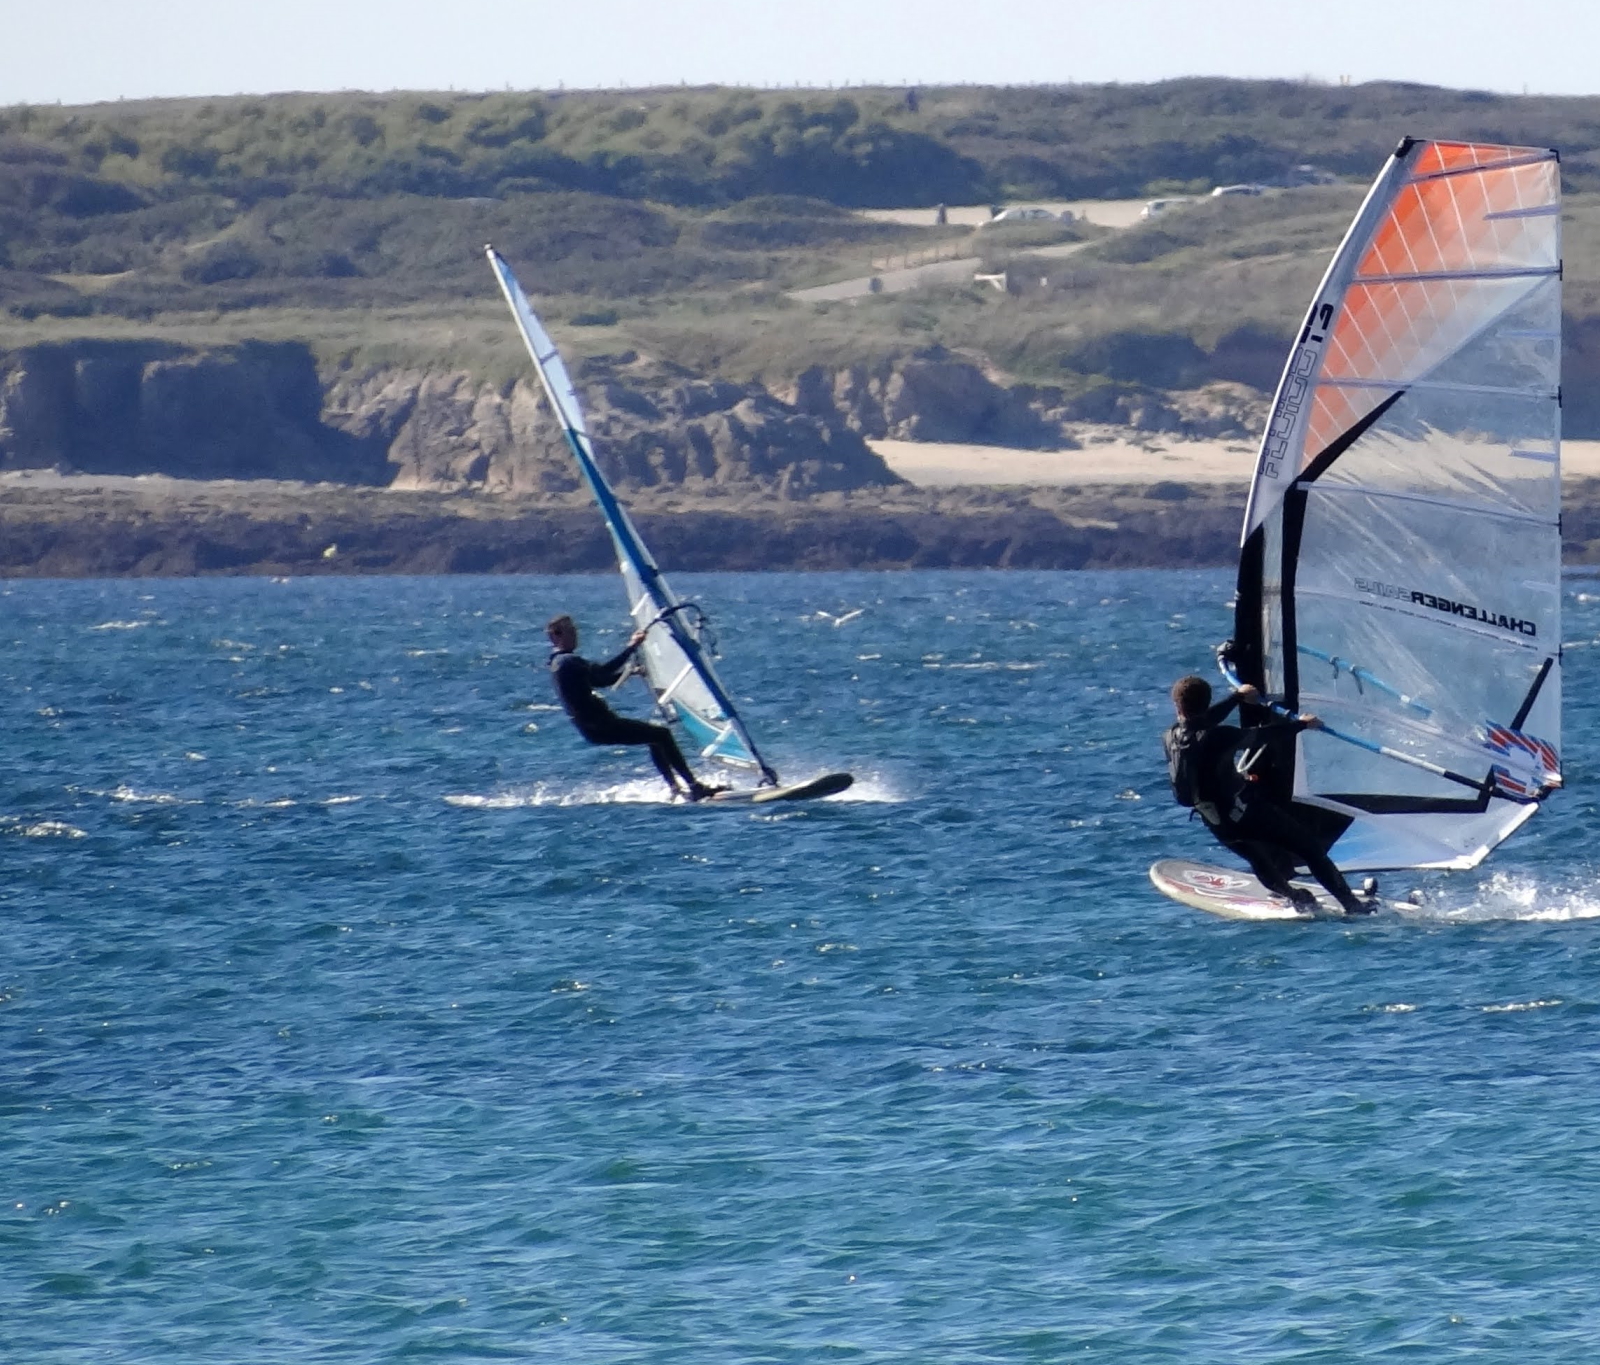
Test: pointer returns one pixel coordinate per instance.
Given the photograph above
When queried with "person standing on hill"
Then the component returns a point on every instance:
(576, 679)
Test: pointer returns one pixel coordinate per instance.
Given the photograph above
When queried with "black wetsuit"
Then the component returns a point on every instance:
(1241, 812)
(576, 678)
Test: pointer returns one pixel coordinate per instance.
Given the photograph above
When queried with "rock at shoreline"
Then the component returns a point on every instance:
(263, 411)
(930, 396)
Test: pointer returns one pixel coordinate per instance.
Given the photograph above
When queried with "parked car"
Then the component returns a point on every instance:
(1223, 190)
(1023, 215)
(1156, 207)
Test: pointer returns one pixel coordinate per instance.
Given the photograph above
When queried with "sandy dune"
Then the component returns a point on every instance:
(1109, 457)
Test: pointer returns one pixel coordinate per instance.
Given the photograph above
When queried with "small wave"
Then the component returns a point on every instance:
(871, 787)
(122, 625)
(125, 793)
(987, 666)
(340, 800)
(40, 829)
(638, 792)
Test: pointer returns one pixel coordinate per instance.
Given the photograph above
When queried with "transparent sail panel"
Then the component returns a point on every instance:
(1409, 590)
(683, 681)
(546, 359)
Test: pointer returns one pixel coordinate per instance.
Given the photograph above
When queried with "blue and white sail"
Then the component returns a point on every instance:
(675, 657)
(1400, 569)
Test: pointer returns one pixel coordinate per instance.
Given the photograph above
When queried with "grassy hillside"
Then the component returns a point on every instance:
(856, 147)
(674, 220)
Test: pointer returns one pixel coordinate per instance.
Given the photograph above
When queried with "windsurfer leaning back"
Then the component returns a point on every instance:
(576, 678)
(1215, 769)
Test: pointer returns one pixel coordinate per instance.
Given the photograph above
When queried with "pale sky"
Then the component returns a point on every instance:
(79, 51)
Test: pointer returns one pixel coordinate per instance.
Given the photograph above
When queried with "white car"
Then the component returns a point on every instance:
(1223, 190)
(1156, 207)
(1023, 216)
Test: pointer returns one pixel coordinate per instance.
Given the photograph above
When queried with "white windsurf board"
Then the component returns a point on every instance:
(1231, 894)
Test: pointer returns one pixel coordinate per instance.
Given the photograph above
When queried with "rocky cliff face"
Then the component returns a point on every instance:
(239, 412)
(936, 396)
(259, 411)
(930, 396)
(653, 425)
(265, 411)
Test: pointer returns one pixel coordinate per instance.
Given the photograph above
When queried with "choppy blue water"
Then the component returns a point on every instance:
(351, 1009)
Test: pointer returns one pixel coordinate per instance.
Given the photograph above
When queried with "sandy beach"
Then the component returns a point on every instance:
(1112, 213)
(1109, 457)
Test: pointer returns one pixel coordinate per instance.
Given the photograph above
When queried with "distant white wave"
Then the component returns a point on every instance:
(39, 829)
(640, 791)
(123, 792)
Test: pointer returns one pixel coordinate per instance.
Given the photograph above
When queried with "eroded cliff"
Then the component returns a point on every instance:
(265, 411)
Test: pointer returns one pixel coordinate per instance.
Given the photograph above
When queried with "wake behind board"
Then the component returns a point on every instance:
(1229, 894)
(829, 784)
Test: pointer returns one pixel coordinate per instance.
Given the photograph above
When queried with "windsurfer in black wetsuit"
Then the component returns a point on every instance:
(1216, 769)
(576, 678)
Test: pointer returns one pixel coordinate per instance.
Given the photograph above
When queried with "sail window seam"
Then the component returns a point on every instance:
(1449, 504)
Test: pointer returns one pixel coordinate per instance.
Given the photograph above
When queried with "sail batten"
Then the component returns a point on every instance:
(1433, 276)
(1405, 513)
(675, 657)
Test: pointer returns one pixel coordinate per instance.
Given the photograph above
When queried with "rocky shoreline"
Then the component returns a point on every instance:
(136, 459)
(70, 528)
(77, 528)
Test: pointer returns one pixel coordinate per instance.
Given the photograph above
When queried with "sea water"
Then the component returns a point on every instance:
(352, 1009)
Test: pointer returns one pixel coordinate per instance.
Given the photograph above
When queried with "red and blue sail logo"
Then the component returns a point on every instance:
(1502, 739)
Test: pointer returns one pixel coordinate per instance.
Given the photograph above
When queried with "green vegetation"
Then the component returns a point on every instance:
(675, 220)
(706, 146)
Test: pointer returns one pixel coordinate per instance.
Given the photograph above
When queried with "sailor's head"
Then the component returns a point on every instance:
(1192, 696)
(563, 632)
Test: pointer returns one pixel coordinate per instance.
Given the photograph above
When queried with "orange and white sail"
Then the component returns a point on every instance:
(1400, 566)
